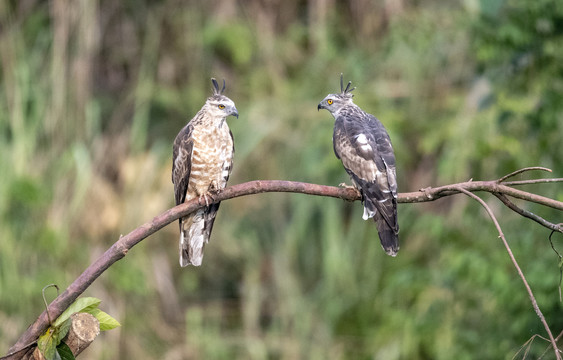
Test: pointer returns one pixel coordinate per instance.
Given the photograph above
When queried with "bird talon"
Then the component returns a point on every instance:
(344, 185)
(207, 198)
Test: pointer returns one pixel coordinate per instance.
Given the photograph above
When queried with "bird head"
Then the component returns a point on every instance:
(218, 104)
(334, 102)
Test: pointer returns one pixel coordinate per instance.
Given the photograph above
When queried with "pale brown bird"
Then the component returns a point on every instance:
(202, 162)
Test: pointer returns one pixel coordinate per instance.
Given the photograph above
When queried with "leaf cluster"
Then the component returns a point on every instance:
(51, 343)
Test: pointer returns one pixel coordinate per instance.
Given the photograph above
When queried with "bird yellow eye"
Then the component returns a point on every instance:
(329, 101)
(221, 106)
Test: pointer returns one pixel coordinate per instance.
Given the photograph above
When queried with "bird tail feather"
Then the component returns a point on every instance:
(193, 238)
(388, 236)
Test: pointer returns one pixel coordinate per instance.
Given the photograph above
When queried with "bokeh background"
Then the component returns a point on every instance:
(92, 94)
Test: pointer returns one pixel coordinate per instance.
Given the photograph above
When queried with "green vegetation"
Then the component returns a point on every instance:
(51, 344)
(93, 93)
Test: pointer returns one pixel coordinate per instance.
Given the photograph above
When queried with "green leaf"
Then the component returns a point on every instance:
(51, 339)
(62, 330)
(65, 352)
(85, 304)
(47, 344)
(106, 321)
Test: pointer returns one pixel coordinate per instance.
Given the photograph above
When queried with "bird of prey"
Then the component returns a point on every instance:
(363, 145)
(202, 162)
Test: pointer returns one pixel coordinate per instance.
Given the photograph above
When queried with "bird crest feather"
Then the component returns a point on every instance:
(345, 92)
(216, 90)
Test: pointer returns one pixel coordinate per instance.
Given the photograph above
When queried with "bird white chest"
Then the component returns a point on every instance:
(211, 159)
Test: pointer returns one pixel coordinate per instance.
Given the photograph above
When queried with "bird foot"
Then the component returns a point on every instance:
(206, 198)
(344, 185)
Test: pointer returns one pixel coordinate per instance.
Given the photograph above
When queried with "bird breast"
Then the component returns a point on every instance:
(211, 156)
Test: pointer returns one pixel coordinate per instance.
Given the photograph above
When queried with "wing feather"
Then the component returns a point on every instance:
(182, 163)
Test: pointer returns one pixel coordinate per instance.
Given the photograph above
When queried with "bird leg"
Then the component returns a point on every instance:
(213, 187)
(209, 196)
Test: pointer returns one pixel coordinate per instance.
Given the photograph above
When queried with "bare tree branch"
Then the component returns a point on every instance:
(530, 215)
(520, 273)
(120, 248)
(430, 194)
(534, 181)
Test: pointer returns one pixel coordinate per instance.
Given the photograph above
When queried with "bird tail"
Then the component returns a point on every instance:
(387, 229)
(195, 231)
(388, 236)
(192, 239)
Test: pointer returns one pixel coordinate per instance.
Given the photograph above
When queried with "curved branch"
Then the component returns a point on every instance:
(120, 248)
(514, 173)
(530, 215)
(520, 273)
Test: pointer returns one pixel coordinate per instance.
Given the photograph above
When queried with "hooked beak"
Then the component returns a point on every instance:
(320, 106)
(234, 112)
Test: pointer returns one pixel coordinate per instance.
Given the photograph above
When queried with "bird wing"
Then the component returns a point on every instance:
(182, 162)
(364, 147)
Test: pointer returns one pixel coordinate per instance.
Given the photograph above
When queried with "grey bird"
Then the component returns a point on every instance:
(202, 162)
(363, 145)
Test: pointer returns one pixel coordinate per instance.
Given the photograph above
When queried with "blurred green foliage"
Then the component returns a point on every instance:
(93, 93)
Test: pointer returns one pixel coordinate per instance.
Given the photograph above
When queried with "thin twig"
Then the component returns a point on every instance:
(528, 345)
(533, 181)
(559, 264)
(549, 346)
(518, 269)
(514, 173)
(45, 301)
(530, 215)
